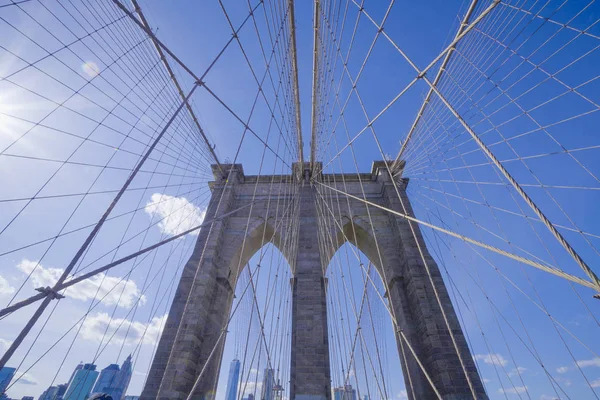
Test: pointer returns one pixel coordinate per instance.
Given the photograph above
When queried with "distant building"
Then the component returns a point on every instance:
(61, 390)
(250, 397)
(338, 393)
(114, 380)
(267, 386)
(27, 398)
(365, 397)
(232, 381)
(48, 394)
(6, 375)
(123, 378)
(131, 398)
(106, 379)
(54, 392)
(351, 393)
(82, 382)
(278, 391)
(344, 393)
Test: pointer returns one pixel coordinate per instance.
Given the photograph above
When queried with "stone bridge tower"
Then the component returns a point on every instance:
(204, 297)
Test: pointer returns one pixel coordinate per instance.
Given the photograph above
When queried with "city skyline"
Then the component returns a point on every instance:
(83, 381)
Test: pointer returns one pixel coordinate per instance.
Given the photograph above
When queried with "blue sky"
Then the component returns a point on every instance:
(530, 92)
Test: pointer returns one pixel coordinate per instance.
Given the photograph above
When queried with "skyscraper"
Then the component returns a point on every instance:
(48, 394)
(106, 380)
(6, 375)
(61, 390)
(268, 383)
(344, 393)
(232, 381)
(114, 380)
(82, 382)
(338, 393)
(123, 379)
(350, 393)
(77, 368)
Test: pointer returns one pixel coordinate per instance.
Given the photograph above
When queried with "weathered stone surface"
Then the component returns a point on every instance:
(309, 373)
(416, 289)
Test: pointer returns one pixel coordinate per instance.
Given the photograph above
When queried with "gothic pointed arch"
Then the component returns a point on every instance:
(247, 243)
(358, 232)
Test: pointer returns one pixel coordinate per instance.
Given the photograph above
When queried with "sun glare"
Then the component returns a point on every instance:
(91, 69)
(12, 127)
(5, 119)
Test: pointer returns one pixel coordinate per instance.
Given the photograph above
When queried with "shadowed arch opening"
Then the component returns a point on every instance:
(363, 352)
(256, 352)
(359, 233)
(416, 296)
(259, 234)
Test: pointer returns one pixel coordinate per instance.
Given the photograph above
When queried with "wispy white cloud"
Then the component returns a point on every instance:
(595, 383)
(581, 319)
(547, 397)
(177, 214)
(120, 329)
(25, 379)
(5, 287)
(491, 359)
(21, 378)
(513, 390)
(517, 371)
(251, 387)
(124, 292)
(594, 362)
(566, 382)
(402, 395)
